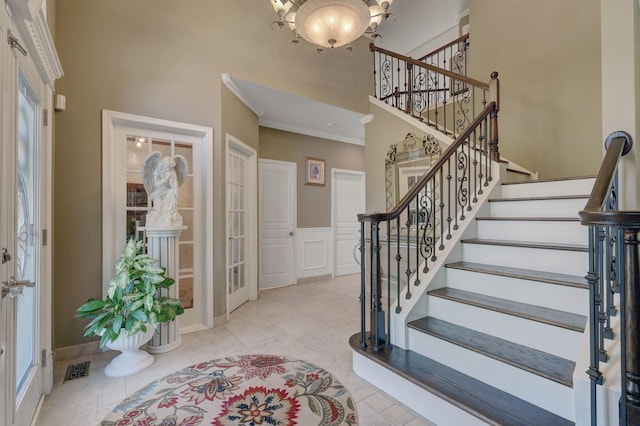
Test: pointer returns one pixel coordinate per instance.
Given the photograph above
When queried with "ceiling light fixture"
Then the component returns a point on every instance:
(331, 23)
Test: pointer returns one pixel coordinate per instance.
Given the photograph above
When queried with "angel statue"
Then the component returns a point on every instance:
(162, 177)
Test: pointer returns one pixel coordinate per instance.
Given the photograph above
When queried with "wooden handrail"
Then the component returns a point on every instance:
(413, 192)
(410, 60)
(618, 144)
(451, 43)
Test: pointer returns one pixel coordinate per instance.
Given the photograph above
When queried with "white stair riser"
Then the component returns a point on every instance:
(559, 261)
(552, 296)
(544, 337)
(537, 208)
(422, 402)
(543, 189)
(534, 231)
(537, 390)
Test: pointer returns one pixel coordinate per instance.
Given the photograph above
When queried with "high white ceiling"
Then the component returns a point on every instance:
(414, 23)
(418, 21)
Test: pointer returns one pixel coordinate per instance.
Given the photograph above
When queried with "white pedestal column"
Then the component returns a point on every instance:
(163, 244)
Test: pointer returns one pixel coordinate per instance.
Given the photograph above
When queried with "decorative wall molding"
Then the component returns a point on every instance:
(314, 252)
(34, 30)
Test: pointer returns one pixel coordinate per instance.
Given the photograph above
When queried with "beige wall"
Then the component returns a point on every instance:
(548, 55)
(238, 120)
(385, 130)
(313, 202)
(241, 123)
(162, 58)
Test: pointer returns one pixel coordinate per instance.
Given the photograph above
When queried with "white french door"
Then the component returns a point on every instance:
(242, 282)
(277, 223)
(127, 140)
(24, 216)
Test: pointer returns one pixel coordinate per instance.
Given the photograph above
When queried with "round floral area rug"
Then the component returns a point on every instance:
(248, 390)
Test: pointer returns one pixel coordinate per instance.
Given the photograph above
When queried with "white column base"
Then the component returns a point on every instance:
(163, 245)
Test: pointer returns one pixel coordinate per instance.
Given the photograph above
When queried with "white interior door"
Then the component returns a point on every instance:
(347, 200)
(242, 282)
(277, 201)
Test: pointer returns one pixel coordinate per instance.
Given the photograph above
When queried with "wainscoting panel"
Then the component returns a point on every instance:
(314, 252)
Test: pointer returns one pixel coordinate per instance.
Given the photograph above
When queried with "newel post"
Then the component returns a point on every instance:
(630, 406)
(494, 96)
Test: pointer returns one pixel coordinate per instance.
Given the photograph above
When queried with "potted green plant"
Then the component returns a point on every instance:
(133, 306)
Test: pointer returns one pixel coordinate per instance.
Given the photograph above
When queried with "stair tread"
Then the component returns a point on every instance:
(545, 198)
(522, 172)
(540, 314)
(525, 274)
(553, 246)
(532, 219)
(489, 404)
(550, 180)
(543, 364)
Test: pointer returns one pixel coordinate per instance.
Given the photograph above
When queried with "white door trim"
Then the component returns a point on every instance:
(252, 220)
(334, 172)
(111, 122)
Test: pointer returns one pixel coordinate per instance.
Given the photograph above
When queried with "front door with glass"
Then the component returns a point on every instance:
(21, 332)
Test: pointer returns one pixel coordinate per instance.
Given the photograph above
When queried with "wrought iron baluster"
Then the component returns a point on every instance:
(470, 194)
(602, 315)
(462, 179)
(429, 95)
(432, 218)
(475, 167)
(449, 219)
(398, 259)
(376, 83)
(483, 156)
(389, 284)
(419, 225)
(363, 287)
(378, 332)
(610, 308)
(426, 239)
(594, 361)
(408, 270)
(441, 204)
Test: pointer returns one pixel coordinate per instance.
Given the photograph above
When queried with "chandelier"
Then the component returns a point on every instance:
(330, 23)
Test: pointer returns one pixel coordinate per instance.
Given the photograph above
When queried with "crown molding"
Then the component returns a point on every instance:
(233, 87)
(32, 25)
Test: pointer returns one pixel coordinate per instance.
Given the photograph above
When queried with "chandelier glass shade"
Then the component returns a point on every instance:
(330, 23)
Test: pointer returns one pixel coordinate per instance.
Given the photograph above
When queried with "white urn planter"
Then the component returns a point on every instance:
(132, 359)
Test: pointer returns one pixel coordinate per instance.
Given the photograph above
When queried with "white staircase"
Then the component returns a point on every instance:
(510, 311)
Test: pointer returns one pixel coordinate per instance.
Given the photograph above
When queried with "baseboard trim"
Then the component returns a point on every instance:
(75, 351)
(313, 279)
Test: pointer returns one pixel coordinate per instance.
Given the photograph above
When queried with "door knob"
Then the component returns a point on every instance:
(291, 233)
(14, 287)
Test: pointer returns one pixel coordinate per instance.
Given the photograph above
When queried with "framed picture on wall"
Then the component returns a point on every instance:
(313, 171)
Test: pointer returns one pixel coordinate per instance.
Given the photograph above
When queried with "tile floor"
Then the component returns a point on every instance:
(311, 321)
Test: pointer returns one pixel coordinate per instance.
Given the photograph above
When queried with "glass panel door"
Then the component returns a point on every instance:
(238, 292)
(26, 262)
(138, 148)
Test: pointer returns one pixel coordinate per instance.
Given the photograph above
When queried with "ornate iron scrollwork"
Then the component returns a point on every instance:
(462, 193)
(386, 87)
(462, 111)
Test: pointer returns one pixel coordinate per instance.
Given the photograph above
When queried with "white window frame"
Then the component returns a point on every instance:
(113, 184)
